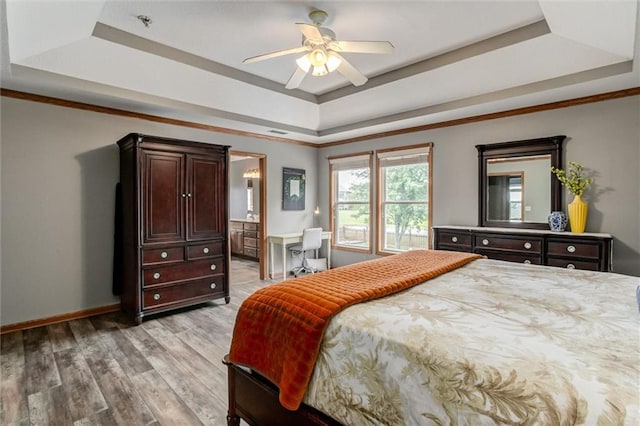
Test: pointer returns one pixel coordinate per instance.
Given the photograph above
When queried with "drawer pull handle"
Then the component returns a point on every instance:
(184, 195)
(156, 296)
(164, 255)
(527, 245)
(213, 286)
(527, 262)
(213, 267)
(205, 250)
(571, 266)
(571, 249)
(454, 239)
(189, 195)
(485, 242)
(156, 275)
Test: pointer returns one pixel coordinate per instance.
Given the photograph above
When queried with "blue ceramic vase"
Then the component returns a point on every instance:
(557, 221)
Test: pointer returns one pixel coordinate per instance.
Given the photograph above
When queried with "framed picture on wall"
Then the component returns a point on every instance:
(293, 185)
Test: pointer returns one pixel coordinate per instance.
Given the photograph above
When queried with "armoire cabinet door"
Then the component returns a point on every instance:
(205, 197)
(162, 192)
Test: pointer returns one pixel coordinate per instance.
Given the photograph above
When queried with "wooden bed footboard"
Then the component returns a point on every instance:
(255, 400)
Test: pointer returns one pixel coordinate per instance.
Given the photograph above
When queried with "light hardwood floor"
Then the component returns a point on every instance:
(106, 371)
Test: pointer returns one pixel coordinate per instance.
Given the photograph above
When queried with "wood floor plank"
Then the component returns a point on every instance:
(84, 397)
(177, 323)
(39, 361)
(194, 394)
(124, 351)
(119, 392)
(61, 337)
(49, 408)
(88, 338)
(199, 367)
(142, 341)
(102, 418)
(166, 405)
(14, 407)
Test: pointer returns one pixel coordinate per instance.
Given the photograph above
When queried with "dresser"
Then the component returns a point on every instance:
(588, 251)
(174, 224)
(245, 240)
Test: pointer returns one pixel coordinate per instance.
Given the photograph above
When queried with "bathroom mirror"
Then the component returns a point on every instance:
(253, 198)
(516, 186)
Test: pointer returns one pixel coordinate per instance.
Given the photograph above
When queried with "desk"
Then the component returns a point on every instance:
(286, 239)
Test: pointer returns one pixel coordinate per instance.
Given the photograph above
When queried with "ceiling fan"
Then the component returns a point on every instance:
(324, 52)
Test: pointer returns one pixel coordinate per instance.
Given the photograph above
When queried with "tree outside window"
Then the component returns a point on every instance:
(351, 201)
(404, 181)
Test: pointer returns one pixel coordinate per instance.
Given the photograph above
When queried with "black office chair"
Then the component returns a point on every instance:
(311, 240)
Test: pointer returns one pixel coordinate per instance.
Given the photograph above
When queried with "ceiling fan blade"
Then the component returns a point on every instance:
(350, 72)
(296, 78)
(311, 32)
(363, 46)
(275, 54)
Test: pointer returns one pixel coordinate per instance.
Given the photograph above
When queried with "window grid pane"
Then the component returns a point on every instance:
(351, 227)
(404, 192)
(405, 226)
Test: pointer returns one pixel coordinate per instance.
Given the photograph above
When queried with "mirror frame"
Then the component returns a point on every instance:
(542, 146)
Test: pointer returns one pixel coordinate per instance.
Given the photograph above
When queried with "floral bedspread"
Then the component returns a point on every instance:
(489, 343)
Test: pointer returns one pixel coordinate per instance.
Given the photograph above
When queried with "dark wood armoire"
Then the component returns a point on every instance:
(174, 248)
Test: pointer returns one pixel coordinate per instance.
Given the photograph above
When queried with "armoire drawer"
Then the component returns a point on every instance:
(573, 249)
(162, 255)
(493, 241)
(183, 271)
(184, 291)
(197, 251)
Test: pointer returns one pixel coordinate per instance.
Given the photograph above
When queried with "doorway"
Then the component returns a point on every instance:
(248, 207)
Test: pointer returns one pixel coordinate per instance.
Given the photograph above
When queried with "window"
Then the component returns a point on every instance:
(351, 201)
(404, 192)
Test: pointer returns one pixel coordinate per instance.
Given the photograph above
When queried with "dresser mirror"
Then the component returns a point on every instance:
(516, 187)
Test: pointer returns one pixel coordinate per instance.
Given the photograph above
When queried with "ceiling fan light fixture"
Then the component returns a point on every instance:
(303, 63)
(318, 57)
(310, 61)
(333, 62)
(320, 71)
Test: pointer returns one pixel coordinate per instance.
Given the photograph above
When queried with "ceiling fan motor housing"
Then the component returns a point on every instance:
(318, 17)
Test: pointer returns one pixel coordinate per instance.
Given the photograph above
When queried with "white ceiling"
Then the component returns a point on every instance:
(452, 59)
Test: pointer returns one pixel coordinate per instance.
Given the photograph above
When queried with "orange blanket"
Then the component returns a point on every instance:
(279, 328)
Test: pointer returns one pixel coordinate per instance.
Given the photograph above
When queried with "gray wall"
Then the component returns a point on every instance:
(604, 136)
(59, 168)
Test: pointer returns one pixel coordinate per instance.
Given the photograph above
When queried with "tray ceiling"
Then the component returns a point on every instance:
(451, 59)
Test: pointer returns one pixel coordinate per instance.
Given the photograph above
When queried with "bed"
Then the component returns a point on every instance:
(485, 343)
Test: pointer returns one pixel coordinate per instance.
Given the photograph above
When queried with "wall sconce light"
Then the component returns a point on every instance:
(317, 211)
(251, 174)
